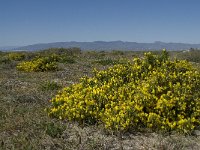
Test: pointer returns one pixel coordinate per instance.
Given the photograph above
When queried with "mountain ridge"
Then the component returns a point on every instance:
(110, 45)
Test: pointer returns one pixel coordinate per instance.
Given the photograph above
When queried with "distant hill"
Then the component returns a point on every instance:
(112, 45)
(5, 48)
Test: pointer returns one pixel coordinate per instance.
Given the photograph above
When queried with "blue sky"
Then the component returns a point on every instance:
(24, 22)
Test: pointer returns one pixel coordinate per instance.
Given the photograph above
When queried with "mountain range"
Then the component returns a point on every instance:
(111, 45)
(5, 48)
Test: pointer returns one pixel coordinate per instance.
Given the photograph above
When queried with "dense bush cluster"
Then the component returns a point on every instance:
(7, 58)
(192, 55)
(39, 64)
(150, 92)
(60, 51)
(107, 61)
(16, 56)
(4, 60)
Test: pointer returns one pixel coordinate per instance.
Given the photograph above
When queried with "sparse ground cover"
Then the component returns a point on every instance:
(24, 95)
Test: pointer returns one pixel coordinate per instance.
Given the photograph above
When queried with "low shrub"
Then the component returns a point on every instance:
(117, 52)
(60, 51)
(17, 56)
(39, 64)
(67, 59)
(4, 60)
(107, 61)
(54, 130)
(190, 55)
(150, 92)
(49, 85)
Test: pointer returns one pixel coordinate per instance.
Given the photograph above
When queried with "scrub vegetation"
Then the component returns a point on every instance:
(71, 99)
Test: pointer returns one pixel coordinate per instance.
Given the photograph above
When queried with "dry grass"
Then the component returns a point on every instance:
(25, 125)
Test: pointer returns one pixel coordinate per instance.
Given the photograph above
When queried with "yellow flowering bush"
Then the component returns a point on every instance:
(39, 64)
(150, 92)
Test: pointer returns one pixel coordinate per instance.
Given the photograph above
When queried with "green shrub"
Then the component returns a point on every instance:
(54, 130)
(151, 92)
(39, 64)
(94, 54)
(67, 59)
(5, 60)
(191, 55)
(49, 58)
(50, 85)
(107, 61)
(17, 56)
(61, 51)
(117, 52)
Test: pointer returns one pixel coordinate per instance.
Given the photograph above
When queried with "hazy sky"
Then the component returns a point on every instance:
(24, 22)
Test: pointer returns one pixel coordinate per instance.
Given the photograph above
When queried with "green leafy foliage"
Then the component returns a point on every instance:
(152, 92)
